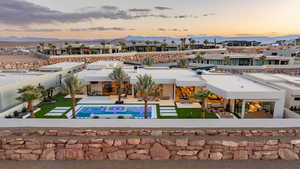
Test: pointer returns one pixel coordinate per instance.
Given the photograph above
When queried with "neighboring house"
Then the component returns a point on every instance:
(289, 52)
(81, 49)
(240, 59)
(47, 76)
(241, 43)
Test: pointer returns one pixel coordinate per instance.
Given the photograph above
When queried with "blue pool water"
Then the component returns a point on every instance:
(113, 111)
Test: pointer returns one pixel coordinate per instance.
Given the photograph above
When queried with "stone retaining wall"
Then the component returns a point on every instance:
(150, 132)
(148, 144)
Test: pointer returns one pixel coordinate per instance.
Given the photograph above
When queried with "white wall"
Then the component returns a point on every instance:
(8, 93)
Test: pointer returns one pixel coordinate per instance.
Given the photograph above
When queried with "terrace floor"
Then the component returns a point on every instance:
(260, 115)
(128, 100)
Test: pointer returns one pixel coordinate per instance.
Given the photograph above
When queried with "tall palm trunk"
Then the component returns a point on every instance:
(73, 105)
(204, 108)
(146, 109)
(119, 92)
(30, 109)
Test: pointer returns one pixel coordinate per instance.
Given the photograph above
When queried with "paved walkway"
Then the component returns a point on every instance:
(169, 123)
(149, 164)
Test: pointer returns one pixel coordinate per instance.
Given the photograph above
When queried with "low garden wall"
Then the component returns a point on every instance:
(149, 144)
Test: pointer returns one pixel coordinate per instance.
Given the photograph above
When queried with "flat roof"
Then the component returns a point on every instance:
(11, 78)
(104, 64)
(237, 55)
(238, 87)
(265, 77)
(159, 75)
(268, 77)
(60, 66)
(288, 86)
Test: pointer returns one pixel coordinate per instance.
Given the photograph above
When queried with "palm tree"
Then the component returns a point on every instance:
(29, 94)
(183, 41)
(134, 45)
(53, 48)
(123, 45)
(42, 46)
(39, 48)
(82, 46)
(50, 48)
(120, 76)
(193, 43)
(263, 59)
(147, 87)
(148, 61)
(163, 46)
(206, 42)
(72, 85)
(69, 49)
(227, 60)
(183, 63)
(44, 92)
(199, 58)
(190, 42)
(202, 96)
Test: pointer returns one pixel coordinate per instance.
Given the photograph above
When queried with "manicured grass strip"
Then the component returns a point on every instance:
(60, 101)
(190, 113)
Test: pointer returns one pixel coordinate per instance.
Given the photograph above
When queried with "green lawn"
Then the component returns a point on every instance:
(183, 113)
(298, 112)
(189, 113)
(60, 101)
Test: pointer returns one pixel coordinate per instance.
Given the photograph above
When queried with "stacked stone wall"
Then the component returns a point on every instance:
(149, 144)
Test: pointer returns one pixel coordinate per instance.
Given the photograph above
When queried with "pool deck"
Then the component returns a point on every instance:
(157, 123)
(128, 100)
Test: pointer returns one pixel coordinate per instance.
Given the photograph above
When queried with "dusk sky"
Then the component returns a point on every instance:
(90, 19)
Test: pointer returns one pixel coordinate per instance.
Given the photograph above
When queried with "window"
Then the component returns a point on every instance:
(297, 99)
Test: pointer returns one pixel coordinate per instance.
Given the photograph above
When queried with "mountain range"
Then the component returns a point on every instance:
(263, 39)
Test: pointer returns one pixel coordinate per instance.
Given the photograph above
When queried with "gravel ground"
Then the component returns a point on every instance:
(150, 164)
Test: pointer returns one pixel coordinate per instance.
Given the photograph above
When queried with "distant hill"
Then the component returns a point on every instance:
(34, 39)
(263, 39)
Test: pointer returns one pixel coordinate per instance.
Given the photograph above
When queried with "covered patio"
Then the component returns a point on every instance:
(246, 98)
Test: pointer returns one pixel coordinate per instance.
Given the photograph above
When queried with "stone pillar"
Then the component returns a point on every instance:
(132, 89)
(174, 92)
(232, 105)
(225, 104)
(279, 108)
(243, 109)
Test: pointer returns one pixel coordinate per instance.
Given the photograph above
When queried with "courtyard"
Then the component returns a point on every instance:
(165, 109)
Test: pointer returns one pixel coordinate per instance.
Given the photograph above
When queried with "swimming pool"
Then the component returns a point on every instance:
(114, 111)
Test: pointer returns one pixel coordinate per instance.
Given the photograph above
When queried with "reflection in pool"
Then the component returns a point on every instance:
(115, 111)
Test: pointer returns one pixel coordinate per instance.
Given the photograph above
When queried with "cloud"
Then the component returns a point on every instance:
(173, 30)
(139, 10)
(72, 29)
(17, 12)
(109, 7)
(181, 16)
(31, 30)
(209, 14)
(98, 29)
(21, 13)
(162, 8)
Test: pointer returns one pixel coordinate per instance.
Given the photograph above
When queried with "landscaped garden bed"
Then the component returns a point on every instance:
(59, 101)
